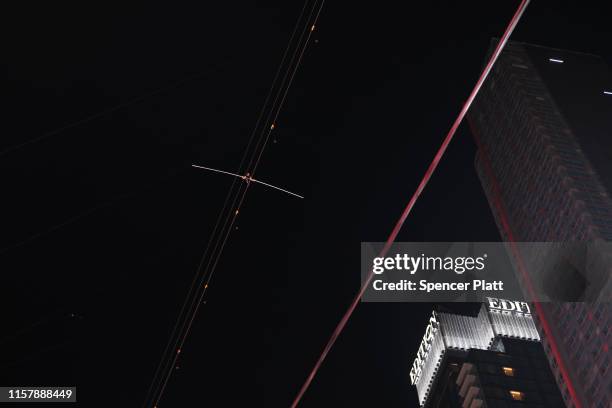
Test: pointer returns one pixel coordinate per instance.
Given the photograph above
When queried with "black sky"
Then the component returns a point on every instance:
(103, 224)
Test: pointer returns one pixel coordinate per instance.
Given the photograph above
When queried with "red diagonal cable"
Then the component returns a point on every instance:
(415, 196)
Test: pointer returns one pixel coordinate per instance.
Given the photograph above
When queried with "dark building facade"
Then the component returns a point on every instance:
(518, 377)
(543, 126)
(492, 359)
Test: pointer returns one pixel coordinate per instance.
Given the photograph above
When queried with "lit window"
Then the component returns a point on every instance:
(517, 395)
(558, 61)
(509, 371)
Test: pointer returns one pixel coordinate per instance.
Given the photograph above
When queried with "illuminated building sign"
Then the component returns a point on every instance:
(446, 331)
(508, 307)
(424, 348)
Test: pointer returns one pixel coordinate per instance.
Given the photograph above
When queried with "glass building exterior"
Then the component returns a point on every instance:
(543, 127)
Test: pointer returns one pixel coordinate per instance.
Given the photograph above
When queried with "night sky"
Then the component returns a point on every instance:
(104, 222)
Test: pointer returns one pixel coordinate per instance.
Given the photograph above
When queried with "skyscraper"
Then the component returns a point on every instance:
(492, 359)
(543, 126)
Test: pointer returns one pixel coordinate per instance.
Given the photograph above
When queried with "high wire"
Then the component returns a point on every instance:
(171, 351)
(432, 167)
(222, 229)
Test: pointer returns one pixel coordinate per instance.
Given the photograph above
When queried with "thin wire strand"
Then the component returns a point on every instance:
(207, 275)
(108, 111)
(169, 355)
(432, 167)
(169, 347)
(293, 66)
(196, 301)
(308, 24)
(225, 239)
(272, 87)
(89, 211)
(310, 29)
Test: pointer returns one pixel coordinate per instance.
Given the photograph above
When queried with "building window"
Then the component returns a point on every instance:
(509, 371)
(517, 395)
